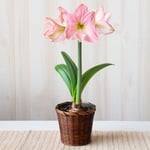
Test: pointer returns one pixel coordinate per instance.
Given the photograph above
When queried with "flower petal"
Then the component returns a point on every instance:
(80, 11)
(91, 35)
(54, 31)
(107, 16)
(105, 28)
(99, 14)
(81, 25)
(101, 22)
(62, 17)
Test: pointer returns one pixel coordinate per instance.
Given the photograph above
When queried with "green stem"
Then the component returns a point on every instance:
(79, 74)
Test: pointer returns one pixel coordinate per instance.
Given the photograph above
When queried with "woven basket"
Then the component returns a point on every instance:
(75, 127)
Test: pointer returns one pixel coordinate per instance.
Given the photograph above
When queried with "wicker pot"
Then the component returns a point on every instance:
(75, 127)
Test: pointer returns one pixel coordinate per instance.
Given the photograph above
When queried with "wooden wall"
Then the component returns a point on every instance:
(29, 86)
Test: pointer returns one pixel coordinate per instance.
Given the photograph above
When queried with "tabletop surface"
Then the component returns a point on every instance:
(50, 140)
(44, 135)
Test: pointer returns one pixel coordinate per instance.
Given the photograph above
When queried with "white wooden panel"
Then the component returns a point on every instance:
(22, 59)
(7, 61)
(30, 87)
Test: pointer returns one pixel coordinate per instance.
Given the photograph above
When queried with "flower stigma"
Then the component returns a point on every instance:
(80, 26)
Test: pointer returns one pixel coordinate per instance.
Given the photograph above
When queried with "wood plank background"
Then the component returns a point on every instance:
(29, 86)
(50, 140)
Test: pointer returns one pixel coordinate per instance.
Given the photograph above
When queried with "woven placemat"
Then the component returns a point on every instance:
(50, 140)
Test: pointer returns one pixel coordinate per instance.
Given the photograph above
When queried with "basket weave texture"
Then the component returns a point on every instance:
(75, 127)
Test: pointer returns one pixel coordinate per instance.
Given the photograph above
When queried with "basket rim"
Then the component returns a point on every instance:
(90, 111)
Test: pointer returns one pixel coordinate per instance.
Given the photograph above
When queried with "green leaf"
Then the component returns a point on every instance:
(90, 73)
(72, 70)
(63, 72)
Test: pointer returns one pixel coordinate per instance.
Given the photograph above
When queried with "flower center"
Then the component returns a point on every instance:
(80, 26)
(98, 26)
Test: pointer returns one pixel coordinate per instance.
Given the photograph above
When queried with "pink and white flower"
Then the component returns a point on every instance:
(81, 25)
(54, 31)
(102, 22)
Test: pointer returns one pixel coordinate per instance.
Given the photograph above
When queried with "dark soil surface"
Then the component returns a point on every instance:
(67, 107)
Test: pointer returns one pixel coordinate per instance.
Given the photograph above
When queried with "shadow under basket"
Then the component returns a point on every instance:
(75, 127)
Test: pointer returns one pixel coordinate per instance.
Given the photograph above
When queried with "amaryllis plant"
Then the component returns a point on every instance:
(81, 25)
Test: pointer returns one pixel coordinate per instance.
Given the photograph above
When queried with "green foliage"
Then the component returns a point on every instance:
(63, 71)
(68, 72)
(90, 73)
